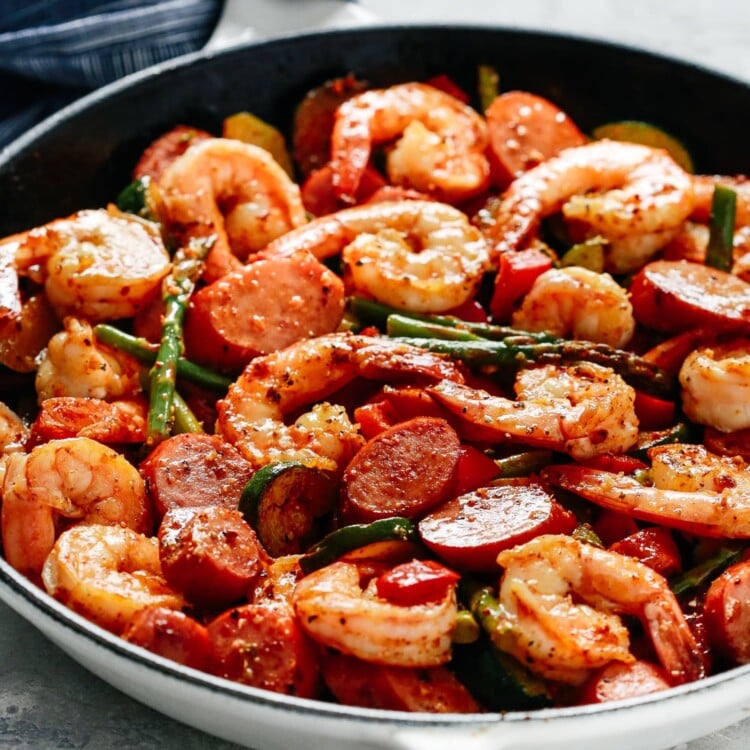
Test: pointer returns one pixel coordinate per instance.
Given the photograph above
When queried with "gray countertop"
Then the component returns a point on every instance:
(49, 701)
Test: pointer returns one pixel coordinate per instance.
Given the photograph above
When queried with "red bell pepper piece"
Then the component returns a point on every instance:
(654, 546)
(474, 470)
(516, 275)
(416, 582)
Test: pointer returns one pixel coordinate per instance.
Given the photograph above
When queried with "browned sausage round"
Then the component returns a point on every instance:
(173, 635)
(469, 531)
(195, 470)
(678, 295)
(403, 471)
(525, 129)
(165, 149)
(618, 681)
(264, 306)
(358, 683)
(262, 645)
(209, 554)
(727, 613)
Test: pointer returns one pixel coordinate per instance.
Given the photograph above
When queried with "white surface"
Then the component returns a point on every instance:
(49, 701)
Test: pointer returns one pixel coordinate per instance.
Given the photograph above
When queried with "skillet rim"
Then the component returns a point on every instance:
(53, 610)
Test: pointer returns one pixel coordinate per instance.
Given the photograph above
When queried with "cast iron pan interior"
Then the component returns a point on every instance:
(83, 156)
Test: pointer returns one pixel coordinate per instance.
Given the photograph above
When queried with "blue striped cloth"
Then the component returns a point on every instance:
(53, 51)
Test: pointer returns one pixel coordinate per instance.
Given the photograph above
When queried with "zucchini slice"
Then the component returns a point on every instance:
(287, 503)
(348, 538)
(637, 131)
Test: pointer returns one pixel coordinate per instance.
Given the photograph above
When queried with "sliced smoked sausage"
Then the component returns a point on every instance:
(677, 295)
(211, 555)
(262, 307)
(468, 532)
(195, 470)
(403, 471)
(727, 613)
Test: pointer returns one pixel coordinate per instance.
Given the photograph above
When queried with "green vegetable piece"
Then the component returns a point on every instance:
(585, 533)
(249, 128)
(512, 353)
(682, 432)
(688, 582)
(588, 254)
(523, 464)
(494, 677)
(497, 681)
(348, 538)
(184, 419)
(401, 325)
(286, 503)
(488, 85)
(135, 198)
(377, 314)
(636, 131)
(187, 266)
(146, 352)
(721, 229)
(467, 628)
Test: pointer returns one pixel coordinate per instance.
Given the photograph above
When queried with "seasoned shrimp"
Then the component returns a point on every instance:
(715, 384)
(416, 255)
(334, 610)
(693, 491)
(63, 481)
(281, 383)
(583, 410)
(579, 303)
(647, 193)
(76, 364)
(98, 264)
(26, 320)
(562, 598)
(233, 194)
(13, 433)
(107, 574)
(442, 143)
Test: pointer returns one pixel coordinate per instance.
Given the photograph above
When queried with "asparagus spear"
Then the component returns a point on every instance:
(146, 352)
(691, 580)
(378, 314)
(640, 373)
(187, 266)
(485, 344)
(721, 229)
(505, 683)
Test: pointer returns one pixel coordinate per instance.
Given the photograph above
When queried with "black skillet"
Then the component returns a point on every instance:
(83, 156)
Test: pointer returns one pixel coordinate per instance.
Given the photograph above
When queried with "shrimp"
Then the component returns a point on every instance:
(578, 302)
(693, 490)
(583, 410)
(562, 598)
(441, 151)
(64, 481)
(76, 364)
(415, 255)
(715, 384)
(98, 264)
(232, 194)
(26, 320)
(109, 422)
(334, 610)
(107, 574)
(251, 416)
(13, 432)
(647, 193)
